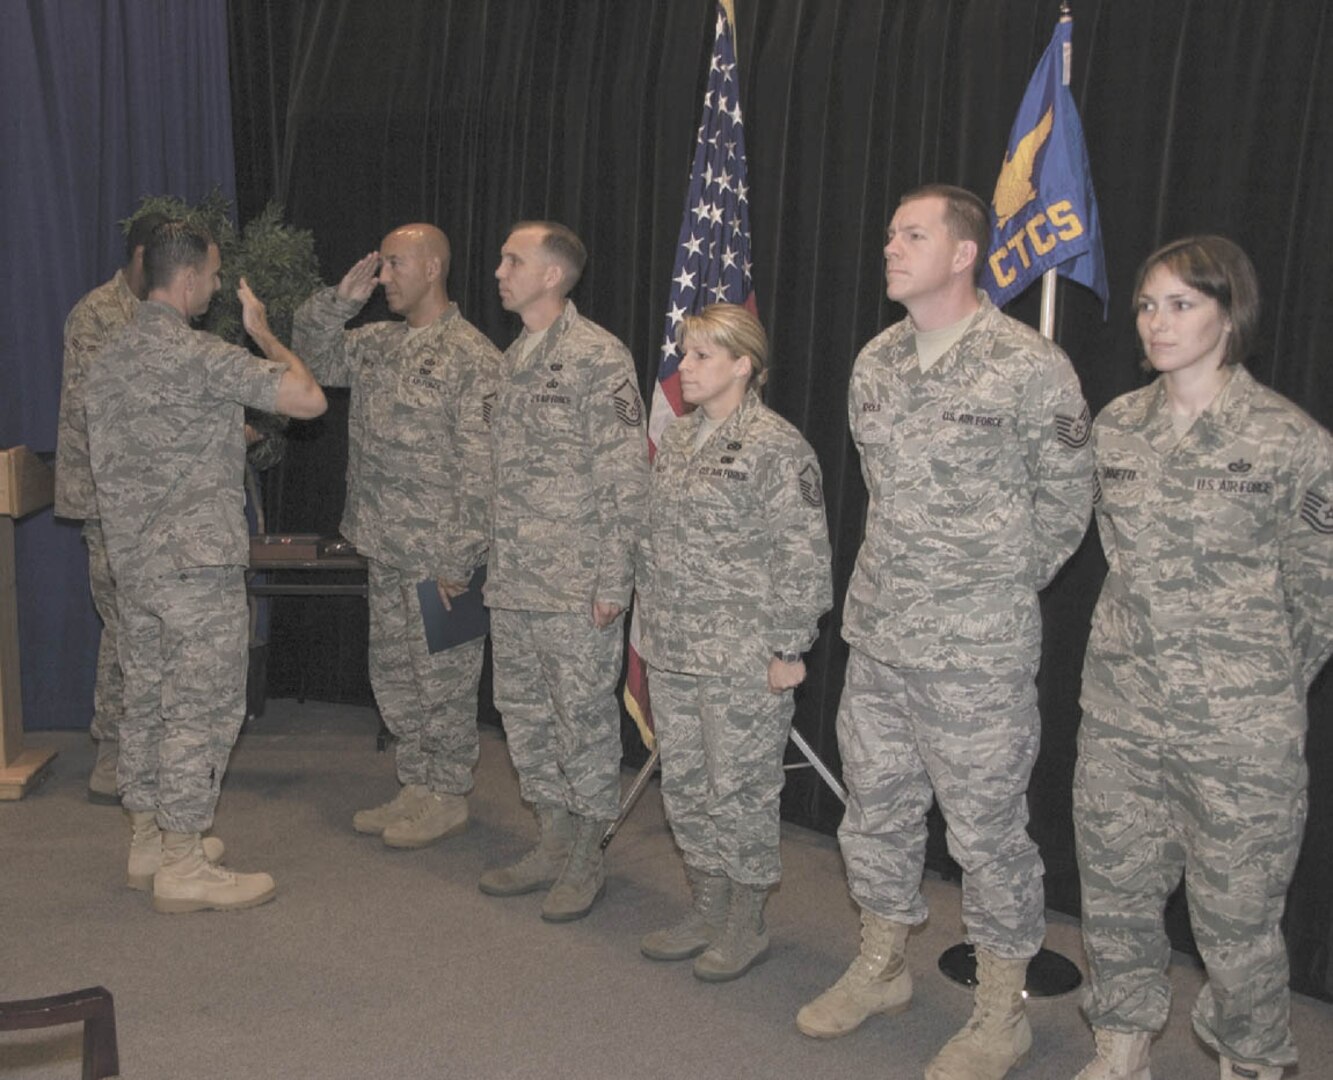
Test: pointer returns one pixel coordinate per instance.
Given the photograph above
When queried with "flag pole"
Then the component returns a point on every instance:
(1048, 973)
(632, 704)
(1048, 279)
(813, 759)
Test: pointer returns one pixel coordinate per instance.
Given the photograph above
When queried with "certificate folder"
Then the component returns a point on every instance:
(466, 620)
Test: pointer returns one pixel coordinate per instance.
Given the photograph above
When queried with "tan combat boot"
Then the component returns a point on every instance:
(583, 877)
(1121, 1055)
(1238, 1070)
(876, 982)
(997, 1037)
(187, 881)
(436, 815)
(539, 868)
(374, 821)
(743, 942)
(146, 849)
(102, 780)
(701, 925)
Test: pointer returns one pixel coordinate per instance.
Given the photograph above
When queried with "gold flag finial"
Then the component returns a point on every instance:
(729, 6)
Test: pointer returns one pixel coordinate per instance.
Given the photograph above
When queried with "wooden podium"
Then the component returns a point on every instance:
(26, 484)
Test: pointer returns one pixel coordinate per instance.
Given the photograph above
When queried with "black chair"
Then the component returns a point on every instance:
(92, 1007)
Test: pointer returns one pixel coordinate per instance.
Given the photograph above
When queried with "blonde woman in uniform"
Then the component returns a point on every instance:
(732, 579)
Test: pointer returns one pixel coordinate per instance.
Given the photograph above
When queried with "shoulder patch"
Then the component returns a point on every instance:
(628, 406)
(812, 490)
(1317, 512)
(1074, 431)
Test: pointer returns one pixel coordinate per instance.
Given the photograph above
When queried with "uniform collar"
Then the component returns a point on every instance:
(1211, 429)
(553, 333)
(157, 310)
(122, 286)
(450, 312)
(975, 342)
(736, 422)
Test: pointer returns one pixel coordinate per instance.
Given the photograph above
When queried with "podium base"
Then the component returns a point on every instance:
(1049, 973)
(25, 772)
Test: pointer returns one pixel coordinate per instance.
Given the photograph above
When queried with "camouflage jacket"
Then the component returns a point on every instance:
(166, 436)
(569, 472)
(1219, 592)
(418, 455)
(979, 476)
(91, 323)
(735, 563)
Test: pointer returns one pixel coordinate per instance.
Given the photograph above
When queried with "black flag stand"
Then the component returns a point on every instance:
(1049, 973)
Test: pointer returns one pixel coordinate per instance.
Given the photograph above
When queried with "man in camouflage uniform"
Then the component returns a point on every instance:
(165, 407)
(418, 470)
(1215, 617)
(732, 579)
(568, 493)
(973, 436)
(91, 323)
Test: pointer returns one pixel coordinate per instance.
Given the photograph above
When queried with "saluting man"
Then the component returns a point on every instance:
(165, 408)
(418, 465)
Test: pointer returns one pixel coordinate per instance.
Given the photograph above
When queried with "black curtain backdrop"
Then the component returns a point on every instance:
(1213, 115)
(103, 103)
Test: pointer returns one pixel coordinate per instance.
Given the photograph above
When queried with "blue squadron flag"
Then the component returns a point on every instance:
(1044, 211)
(712, 266)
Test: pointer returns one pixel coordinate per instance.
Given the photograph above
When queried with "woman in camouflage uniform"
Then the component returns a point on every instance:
(733, 576)
(1215, 509)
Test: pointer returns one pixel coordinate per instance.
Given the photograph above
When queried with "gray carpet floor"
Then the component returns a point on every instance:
(379, 963)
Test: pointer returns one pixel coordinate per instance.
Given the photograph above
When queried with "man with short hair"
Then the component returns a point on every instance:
(418, 470)
(569, 497)
(165, 407)
(973, 435)
(90, 325)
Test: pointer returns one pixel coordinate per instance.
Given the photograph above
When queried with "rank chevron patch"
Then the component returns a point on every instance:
(628, 406)
(811, 489)
(1317, 512)
(1074, 431)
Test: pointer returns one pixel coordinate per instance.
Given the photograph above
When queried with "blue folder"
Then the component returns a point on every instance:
(466, 620)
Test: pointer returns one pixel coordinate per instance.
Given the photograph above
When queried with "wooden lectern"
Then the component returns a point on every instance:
(26, 484)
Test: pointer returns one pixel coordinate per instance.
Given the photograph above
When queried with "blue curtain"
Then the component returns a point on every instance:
(105, 102)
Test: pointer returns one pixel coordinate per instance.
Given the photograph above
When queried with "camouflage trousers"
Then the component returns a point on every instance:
(972, 739)
(555, 683)
(428, 700)
(1147, 810)
(183, 649)
(722, 746)
(109, 687)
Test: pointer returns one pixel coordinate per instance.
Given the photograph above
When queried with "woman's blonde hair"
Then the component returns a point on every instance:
(733, 328)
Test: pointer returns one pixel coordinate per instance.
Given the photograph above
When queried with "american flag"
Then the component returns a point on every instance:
(712, 265)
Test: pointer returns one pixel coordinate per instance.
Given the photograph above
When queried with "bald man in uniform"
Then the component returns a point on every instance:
(417, 467)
